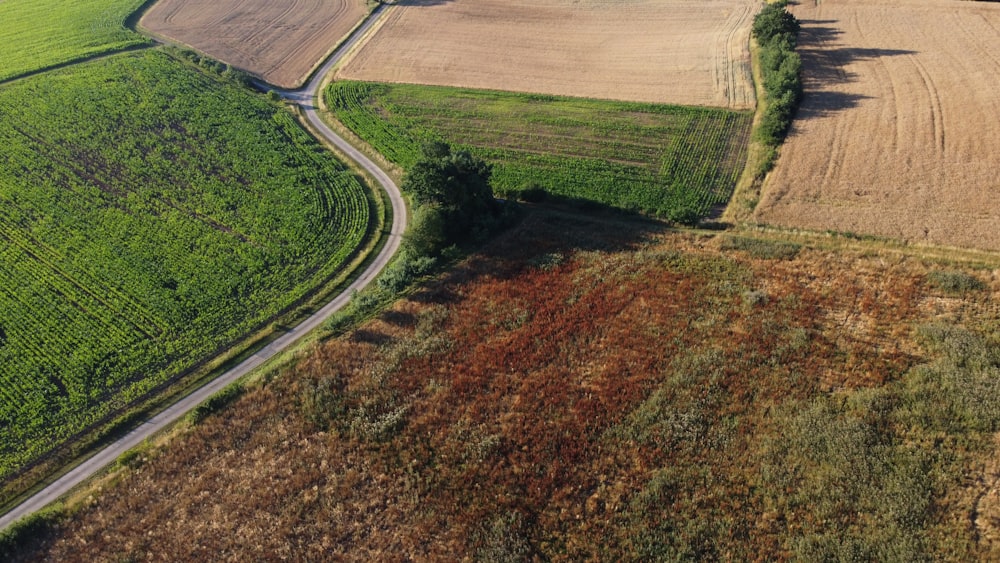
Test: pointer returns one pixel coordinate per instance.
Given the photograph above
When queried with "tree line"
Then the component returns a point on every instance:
(776, 31)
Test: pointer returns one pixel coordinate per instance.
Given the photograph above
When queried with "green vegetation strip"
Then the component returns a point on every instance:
(150, 214)
(38, 34)
(671, 161)
(776, 30)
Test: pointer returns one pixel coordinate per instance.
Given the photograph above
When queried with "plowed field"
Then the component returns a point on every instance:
(897, 135)
(666, 51)
(279, 41)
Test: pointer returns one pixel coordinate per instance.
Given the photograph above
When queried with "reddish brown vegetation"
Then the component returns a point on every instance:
(576, 391)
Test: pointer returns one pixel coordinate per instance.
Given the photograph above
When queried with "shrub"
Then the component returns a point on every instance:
(684, 214)
(321, 402)
(953, 281)
(215, 403)
(404, 271)
(762, 248)
(27, 531)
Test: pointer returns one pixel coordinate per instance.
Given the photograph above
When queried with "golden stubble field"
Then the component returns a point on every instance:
(899, 130)
(691, 52)
(279, 41)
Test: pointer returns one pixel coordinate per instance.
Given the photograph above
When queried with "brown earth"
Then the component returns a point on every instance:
(581, 390)
(897, 135)
(690, 52)
(280, 42)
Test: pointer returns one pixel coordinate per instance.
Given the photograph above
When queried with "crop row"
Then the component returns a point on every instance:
(646, 157)
(149, 214)
(44, 259)
(38, 34)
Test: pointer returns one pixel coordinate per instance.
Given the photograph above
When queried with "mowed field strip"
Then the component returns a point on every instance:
(663, 51)
(898, 133)
(279, 41)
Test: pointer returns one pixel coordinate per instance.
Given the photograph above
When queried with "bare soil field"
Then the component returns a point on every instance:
(686, 52)
(898, 133)
(279, 41)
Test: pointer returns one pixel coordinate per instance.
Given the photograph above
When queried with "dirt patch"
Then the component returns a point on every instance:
(676, 51)
(279, 41)
(897, 133)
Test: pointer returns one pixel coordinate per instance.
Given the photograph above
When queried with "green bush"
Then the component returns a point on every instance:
(215, 403)
(953, 281)
(762, 248)
(405, 271)
(27, 531)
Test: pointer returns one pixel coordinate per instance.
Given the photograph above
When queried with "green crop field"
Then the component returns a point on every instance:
(38, 34)
(657, 159)
(150, 214)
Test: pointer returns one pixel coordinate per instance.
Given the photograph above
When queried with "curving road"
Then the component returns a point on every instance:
(306, 98)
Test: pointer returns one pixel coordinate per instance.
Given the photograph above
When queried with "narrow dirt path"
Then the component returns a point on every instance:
(306, 99)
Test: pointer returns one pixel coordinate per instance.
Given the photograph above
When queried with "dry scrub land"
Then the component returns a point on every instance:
(597, 390)
(687, 52)
(279, 41)
(898, 133)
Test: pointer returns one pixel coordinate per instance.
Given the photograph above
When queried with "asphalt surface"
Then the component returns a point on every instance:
(306, 98)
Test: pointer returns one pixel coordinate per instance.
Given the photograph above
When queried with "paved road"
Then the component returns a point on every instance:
(306, 98)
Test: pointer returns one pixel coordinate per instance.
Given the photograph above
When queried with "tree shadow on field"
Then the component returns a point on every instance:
(825, 64)
(399, 318)
(370, 337)
(826, 103)
(547, 238)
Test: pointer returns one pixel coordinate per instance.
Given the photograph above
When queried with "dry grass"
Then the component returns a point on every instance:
(582, 390)
(897, 134)
(279, 41)
(688, 52)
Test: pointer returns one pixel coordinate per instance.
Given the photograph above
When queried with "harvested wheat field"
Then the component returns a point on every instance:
(688, 52)
(279, 41)
(899, 131)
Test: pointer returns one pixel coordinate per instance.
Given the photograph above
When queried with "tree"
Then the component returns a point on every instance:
(454, 187)
(775, 23)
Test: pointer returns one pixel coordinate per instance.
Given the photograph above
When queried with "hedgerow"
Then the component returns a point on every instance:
(776, 31)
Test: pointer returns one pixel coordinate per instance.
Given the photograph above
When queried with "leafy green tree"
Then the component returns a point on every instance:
(774, 22)
(426, 233)
(454, 193)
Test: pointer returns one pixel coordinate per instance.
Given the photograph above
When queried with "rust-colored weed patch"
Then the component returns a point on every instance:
(581, 389)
